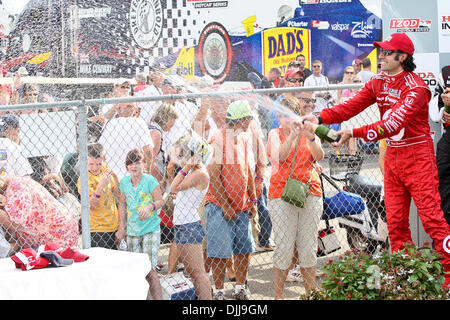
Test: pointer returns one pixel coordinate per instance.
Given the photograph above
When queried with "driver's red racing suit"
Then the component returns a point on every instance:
(410, 163)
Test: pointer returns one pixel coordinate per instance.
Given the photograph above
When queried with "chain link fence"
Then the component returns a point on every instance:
(195, 180)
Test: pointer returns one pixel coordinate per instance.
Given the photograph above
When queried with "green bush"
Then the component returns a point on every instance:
(411, 274)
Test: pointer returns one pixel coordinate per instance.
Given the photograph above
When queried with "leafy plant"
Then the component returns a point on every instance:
(410, 274)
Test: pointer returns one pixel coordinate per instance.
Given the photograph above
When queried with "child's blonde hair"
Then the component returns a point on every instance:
(191, 145)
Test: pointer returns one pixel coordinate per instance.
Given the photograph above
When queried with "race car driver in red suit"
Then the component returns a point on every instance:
(410, 163)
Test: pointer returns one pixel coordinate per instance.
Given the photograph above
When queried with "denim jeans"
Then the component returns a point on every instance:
(264, 219)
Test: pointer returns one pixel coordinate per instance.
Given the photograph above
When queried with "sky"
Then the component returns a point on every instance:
(16, 5)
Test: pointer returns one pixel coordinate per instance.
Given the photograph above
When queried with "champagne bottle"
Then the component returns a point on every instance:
(325, 133)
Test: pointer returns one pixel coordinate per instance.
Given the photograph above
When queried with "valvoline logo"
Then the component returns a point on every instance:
(282, 45)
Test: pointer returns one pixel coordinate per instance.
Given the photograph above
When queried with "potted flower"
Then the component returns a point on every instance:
(410, 274)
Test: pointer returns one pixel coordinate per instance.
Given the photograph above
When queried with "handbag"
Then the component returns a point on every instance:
(328, 241)
(341, 204)
(295, 192)
(344, 204)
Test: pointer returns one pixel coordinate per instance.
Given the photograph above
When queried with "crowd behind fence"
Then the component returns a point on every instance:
(125, 172)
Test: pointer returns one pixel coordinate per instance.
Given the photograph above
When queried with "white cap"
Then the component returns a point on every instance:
(200, 147)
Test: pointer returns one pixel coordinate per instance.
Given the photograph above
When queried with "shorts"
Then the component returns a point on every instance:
(189, 233)
(295, 225)
(224, 238)
(149, 243)
(201, 213)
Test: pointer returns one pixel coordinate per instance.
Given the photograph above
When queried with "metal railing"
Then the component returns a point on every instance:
(81, 107)
(81, 110)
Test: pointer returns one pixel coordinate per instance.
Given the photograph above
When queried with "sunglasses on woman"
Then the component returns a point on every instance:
(294, 80)
(308, 100)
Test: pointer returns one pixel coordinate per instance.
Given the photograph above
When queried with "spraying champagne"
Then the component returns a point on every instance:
(325, 133)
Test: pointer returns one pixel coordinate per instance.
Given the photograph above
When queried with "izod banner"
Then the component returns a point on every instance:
(282, 45)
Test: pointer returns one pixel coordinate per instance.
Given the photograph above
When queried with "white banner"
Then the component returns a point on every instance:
(444, 25)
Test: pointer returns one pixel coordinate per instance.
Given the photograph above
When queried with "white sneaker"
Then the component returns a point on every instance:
(180, 267)
(319, 273)
(219, 295)
(294, 275)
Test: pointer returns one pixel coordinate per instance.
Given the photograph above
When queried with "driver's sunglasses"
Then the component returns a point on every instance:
(125, 87)
(386, 52)
(294, 80)
(308, 100)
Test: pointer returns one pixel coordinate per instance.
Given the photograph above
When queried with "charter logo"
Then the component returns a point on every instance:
(297, 24)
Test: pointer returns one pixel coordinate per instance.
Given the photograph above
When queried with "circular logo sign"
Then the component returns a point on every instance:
(146, 21)
(371, 135)
(446, 244)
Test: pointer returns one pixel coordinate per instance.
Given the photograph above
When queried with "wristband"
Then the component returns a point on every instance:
(254, 200)
(96, 195)
(313, 139)
(183, 173)
(154, 206)
(260, 179)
